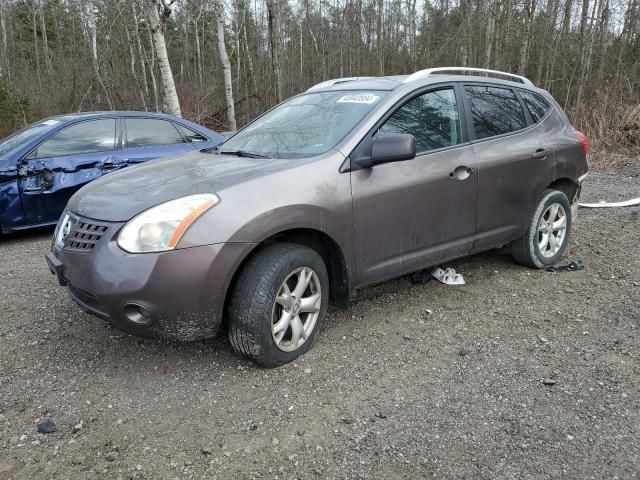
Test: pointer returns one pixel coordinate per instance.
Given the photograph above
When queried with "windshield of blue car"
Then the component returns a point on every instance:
(22, 137)
(304, 126)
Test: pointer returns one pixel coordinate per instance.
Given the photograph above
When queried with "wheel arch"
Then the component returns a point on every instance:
(325, 246)
(566, 185)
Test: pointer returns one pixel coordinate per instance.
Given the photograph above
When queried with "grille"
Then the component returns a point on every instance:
(84, 236)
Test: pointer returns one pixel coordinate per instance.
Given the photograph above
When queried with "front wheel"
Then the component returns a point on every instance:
(278, 303)
(548, 234)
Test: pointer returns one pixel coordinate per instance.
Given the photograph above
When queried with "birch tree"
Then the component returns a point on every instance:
(156, 24)
(3, 40)
(226, 68)
(60, 56)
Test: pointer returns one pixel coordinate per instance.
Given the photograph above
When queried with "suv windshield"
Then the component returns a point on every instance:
(305, 125)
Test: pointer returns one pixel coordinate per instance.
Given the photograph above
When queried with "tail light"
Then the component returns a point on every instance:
(584, 141)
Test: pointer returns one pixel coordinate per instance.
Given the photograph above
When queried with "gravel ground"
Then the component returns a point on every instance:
(519, 374)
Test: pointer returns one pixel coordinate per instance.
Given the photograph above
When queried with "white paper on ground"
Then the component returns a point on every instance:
(626, 203)
(447, 276)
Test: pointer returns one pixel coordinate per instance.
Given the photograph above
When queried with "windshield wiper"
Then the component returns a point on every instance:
(210, 149)
(237, 153)
(243, 153)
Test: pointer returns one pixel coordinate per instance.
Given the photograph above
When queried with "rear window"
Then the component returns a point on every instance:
(146, 132)
(495, 110)
(537, 106)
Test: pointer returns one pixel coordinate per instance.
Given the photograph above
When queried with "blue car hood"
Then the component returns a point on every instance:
(119, 196)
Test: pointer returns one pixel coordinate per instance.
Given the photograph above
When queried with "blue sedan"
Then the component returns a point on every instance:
(42, 165)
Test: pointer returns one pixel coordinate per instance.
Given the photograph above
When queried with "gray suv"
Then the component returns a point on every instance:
(353, 182)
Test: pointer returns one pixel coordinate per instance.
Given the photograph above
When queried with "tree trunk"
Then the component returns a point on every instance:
(413, 48)
(132, 65)
(467, 45)
(90, 23)
(313, 37)
(35, 44)
(152, 71)
(379, 37)
(142, 55)
(45, 41)
(226, 69)
(198, 50)
(529, 7)
(4, 61)
(588, 52)
(252, 74)
(629, 20)
(273, 17)
(170, 94)
(492, 13)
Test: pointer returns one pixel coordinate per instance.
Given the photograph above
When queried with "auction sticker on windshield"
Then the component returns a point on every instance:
(367, 98)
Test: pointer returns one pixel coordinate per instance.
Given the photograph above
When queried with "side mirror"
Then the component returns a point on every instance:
(389, 148)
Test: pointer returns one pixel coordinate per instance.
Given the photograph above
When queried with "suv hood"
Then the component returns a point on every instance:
(119, 196)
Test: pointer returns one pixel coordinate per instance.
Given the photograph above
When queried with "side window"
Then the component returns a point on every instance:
(147, 132)
(537, 106)
(190, 135)
(431, 118)
(495, 110)
(86, 137)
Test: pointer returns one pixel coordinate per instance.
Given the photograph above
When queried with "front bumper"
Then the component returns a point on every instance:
(178, 294)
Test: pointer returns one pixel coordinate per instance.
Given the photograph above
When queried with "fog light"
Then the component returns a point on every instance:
(137, 314)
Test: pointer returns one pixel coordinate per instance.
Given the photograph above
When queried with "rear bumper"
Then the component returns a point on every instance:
(178, 294)
(576, 198)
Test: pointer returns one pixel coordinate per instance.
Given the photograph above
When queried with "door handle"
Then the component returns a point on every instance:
(111, 162)
(461, 173)
(540, 153)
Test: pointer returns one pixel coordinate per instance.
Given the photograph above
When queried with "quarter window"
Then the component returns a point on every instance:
(537, 106)
(495, 111)
(146, 132)
(431, 118)
(189, 134)
(86, 137)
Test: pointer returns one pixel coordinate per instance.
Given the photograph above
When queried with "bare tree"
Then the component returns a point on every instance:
(90, 28)
(586, 52)
(226, 68)
(273, 20)
(45, 39)
(156, 21)
(3, 40)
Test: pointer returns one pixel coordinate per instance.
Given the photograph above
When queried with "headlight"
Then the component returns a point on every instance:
(160, 228)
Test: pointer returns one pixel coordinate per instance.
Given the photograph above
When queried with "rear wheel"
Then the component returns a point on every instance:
(548, 234)
(278, 303)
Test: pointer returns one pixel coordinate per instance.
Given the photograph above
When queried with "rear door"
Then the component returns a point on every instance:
(150, 138)
(508, 151)
(63, 163)
(419, 212)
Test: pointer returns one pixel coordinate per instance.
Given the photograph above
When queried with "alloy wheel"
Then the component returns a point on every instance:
(552, 229)
(296, 309)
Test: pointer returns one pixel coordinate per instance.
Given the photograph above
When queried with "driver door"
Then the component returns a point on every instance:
(416, 213)
(63, 163)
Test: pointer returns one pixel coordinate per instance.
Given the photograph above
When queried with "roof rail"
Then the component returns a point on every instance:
(328, 83)
(430, 71)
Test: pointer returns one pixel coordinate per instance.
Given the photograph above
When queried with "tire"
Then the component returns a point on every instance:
(527, 249)
(254, 314)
